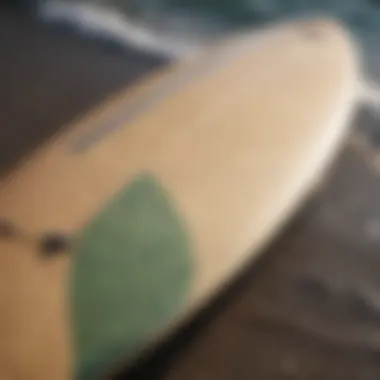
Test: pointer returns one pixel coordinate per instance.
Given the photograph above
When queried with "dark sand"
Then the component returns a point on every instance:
(310, 309)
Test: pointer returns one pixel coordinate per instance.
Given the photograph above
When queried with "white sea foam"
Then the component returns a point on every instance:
(98, 21)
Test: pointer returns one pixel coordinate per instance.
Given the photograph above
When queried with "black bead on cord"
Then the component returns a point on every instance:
(54, 243)
(49, 244)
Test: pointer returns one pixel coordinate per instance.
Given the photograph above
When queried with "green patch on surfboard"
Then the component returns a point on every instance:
(131, 273)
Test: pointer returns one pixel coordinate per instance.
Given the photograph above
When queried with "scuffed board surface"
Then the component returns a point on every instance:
(310, 308)
(307, 311)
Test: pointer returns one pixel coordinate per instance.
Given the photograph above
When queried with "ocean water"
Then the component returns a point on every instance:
(361, 15)
(175, 26)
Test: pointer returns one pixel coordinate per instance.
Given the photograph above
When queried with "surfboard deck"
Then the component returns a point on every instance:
(118, 229)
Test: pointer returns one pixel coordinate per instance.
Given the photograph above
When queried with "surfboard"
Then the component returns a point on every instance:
(117, 230)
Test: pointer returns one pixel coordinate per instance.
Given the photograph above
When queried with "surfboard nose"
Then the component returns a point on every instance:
(321, 27)
(329, 33)
(329, 40)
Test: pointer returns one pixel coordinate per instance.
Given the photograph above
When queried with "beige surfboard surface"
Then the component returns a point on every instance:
(117, 230)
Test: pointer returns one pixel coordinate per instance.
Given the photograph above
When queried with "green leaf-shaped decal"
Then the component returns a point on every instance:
(131, 274)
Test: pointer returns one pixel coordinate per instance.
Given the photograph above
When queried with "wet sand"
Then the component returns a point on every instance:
(310, 309)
